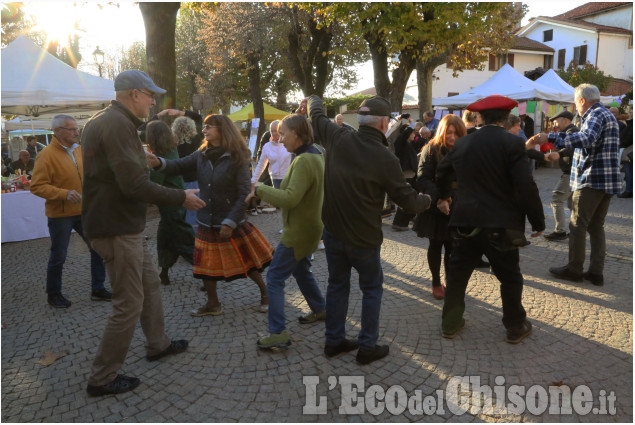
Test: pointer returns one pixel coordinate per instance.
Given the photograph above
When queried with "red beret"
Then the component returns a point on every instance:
(494, 101)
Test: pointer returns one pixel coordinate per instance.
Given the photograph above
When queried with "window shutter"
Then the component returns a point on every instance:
(510, 59)
(561, 55)
(492, 62)
(583, 54)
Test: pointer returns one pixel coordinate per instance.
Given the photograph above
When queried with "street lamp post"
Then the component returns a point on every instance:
(98, 55)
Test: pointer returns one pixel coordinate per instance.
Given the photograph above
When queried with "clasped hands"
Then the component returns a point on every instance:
(536, 139)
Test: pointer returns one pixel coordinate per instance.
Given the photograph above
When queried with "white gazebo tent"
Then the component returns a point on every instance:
(35, 83)
(552, 79)
(505, 82)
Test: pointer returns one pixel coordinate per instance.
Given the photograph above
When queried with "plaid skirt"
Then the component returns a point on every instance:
(223, 259)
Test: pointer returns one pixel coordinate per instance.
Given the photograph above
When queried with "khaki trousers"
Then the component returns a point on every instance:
(136, 295)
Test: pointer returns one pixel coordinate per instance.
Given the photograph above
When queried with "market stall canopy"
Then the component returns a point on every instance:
(36, 83)
(505, 82)
(247, 113)
(20, 123)
(552, 79)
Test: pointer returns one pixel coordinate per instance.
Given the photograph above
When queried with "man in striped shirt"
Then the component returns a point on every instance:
(595, 178)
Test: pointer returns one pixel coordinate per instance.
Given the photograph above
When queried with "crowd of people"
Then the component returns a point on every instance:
(465, 183)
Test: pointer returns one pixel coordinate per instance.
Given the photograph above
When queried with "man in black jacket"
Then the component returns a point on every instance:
(359, 172)
(494, 193)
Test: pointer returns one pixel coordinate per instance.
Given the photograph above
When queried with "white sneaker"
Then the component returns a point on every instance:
(321, 245)
(253, 211)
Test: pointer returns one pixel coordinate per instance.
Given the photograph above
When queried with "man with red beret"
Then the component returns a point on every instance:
(494, 193)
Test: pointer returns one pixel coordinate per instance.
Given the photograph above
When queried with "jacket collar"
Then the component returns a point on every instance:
(115, 104)
(368, 132)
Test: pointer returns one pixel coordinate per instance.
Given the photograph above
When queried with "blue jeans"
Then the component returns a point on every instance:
(282, 266)
(627, 167)
(341, 257)
(60, 230)
(276, 183)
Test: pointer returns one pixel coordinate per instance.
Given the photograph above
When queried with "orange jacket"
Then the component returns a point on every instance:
(54, 175)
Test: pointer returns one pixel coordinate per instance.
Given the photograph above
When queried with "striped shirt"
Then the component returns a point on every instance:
(596, 159)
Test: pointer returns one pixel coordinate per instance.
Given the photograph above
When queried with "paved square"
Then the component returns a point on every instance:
(583, 335)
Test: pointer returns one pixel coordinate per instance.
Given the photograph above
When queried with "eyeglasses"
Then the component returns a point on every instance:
(70, 129)
(147, 94)
(207, 126)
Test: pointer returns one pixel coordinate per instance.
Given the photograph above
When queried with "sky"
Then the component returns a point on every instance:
(115, 27)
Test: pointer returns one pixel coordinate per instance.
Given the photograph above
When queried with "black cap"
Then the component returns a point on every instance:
(135, 79)
(376, 105)
(564, 114)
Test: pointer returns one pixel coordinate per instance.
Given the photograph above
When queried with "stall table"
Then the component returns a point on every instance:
(23, 217)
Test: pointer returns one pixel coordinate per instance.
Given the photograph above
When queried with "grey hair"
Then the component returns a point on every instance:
(588, 92)
(274, 122)
(429, 114)
(184, 129)
(371, 120)
(59, 120)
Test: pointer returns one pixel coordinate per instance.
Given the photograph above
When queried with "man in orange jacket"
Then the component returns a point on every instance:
(57, 177)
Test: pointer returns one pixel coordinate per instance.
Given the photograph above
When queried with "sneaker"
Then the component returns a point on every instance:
(281, 340)
(121, 384)
(312, 317)
(514, 336)
(366, 356)
(175, 347)
(565, 273)
(396, 228)
(321, 245)
(205, 311)
(596, 279)
(101, 295)
(253, 211)
(343, 347)
(452, 333)
(58, 301)
(556, 236)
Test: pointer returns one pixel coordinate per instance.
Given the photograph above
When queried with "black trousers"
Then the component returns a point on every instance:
(466, 253)
(403, 218)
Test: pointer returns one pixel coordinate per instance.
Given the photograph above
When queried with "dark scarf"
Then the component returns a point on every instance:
(213, 153)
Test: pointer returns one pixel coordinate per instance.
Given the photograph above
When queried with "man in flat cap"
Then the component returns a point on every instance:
(494, 194)
(562, 192)
(595, 178)
(117, 189)
(359, 172)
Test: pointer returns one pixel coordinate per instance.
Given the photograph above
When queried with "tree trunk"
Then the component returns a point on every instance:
(253, 74)
(425, 69)
(160, 25)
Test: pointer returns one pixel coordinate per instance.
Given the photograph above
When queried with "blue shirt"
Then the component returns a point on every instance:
(432, 125)
(596, 160)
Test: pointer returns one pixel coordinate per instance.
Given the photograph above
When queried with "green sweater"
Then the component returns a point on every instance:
(300, 197)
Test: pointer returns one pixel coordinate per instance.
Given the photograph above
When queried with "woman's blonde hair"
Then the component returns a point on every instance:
(231, 140)
(438, 142)
(184, 129)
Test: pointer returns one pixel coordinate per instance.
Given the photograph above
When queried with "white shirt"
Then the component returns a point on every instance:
(274, 154)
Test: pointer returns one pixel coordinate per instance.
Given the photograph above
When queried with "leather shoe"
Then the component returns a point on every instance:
(366, 356)
(565, 273)
(514, 336)
(343, 347)
(449, 334)
(437, 292)
(121, 384)
(556, 236)
(175, 347)
(596, 279)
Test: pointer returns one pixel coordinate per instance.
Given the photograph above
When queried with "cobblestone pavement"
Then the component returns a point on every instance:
(583, 335)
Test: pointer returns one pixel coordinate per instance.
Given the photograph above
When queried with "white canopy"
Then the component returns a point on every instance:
(553, 80)
(36, 83)
(20, 123)
(506, 82)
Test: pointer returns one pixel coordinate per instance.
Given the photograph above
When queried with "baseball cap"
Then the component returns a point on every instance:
(376, 105)
(135, 79)
(494, 101)
(564, 114)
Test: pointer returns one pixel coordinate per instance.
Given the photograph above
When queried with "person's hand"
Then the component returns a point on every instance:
(536, 234)
(552, 156)
(73, 197)
(444, 206)
(302, 108)
(226, 231)
(171, 112)
(193, 202)
(429, 199)
(251, 195)
(152, 160)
